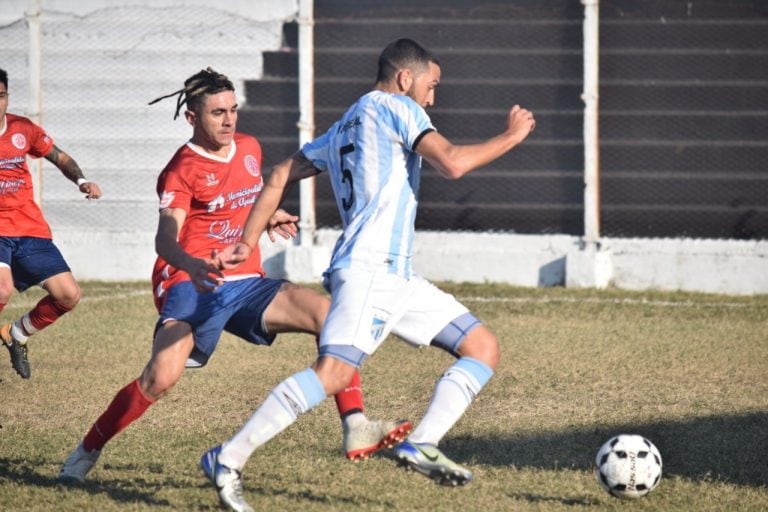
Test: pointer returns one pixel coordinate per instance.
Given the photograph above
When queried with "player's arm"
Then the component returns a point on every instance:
(454, 161)
(71, 170)
(204, 276)
(264, 213)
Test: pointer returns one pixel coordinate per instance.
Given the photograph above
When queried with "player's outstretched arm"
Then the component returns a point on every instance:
(454, 161)
(71, 170)
(264, 214)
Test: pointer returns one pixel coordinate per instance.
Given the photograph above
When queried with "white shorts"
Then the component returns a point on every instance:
(367, 306)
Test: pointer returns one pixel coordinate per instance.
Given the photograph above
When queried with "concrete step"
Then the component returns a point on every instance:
(435, 34)
(527, 64)
(551, 94)
(543, 9)
(170, 66)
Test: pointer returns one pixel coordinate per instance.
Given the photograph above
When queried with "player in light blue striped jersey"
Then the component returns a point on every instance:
(373, 157)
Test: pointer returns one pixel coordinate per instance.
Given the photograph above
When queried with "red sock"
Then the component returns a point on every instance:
(46, 312)
(350, 400)
(128, 405)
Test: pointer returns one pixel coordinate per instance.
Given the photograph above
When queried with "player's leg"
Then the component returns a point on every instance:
(477, 351)
(17, 351)
(39, 261)
(294, 396)
(171, 348)
(297, 308)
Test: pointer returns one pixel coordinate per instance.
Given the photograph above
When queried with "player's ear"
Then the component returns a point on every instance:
(404, 79)
(189, 115)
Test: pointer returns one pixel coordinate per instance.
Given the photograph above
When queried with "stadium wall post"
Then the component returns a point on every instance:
(32, 15)
(588, 264)
(306, 122)
(304, 262)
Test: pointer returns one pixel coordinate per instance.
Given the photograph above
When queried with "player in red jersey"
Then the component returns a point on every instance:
(28, 256)
(205, 192)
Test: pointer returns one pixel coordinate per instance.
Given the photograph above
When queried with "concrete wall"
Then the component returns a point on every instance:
(713, 266)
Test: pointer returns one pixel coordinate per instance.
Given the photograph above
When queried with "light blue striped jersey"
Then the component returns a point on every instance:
(375, 172)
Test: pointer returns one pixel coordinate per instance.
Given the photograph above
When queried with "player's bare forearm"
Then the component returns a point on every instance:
(65, 163)
(454, 161)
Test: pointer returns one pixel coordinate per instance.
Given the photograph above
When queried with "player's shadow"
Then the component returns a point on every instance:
(137, 489)
(730, 449)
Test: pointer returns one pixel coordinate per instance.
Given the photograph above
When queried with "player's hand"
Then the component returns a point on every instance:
(520, 122)
(283, 224)
(91, 190)
(205, 276)
(231, 256)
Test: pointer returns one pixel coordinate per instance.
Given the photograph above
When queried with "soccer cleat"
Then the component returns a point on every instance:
(78, 464)
(227, 481)
(19, 359)
(430, 462)
(363, 441)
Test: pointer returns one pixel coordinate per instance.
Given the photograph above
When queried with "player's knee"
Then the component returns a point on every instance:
(333, 374)
(481, 344)
(156, 385)
(68, 297)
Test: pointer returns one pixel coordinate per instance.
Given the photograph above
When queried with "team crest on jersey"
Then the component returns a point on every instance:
(19, 140)
(252, 166)
(166, 199)
(211, 180)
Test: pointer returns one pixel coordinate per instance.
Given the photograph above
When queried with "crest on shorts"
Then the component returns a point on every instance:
(377, 328)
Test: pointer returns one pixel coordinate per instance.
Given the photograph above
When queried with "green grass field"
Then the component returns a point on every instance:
(688, 371)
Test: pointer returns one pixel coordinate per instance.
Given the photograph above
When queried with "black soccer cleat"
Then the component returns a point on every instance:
(19, 359)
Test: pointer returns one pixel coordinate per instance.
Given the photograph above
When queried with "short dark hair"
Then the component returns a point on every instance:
(4, 77)
(400, 54)
(196, 87)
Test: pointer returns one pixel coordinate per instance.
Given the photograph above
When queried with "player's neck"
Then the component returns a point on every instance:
(214, 150)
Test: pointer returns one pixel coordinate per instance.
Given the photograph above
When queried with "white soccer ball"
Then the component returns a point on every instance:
(628, 466)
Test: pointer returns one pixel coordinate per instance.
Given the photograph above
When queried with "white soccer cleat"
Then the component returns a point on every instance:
(227, 481)
(432, 463)
(78, 464)
(363, 441)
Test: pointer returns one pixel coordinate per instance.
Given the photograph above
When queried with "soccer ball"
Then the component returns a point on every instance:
(628, 466)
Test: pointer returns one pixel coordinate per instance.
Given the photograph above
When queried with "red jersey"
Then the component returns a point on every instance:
(217, 194)
(19, 214)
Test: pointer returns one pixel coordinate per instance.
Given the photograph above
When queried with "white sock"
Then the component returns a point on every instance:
(453, 393)
(353, 420)
(294, 396)
(17, 332)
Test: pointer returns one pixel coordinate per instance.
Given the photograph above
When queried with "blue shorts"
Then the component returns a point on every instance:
(236, 307)
(32, 260)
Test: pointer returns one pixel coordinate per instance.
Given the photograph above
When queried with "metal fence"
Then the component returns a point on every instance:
(683, 123)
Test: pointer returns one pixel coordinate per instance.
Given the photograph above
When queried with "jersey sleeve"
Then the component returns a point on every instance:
(40, 143)
(316, 151)
(173, 191)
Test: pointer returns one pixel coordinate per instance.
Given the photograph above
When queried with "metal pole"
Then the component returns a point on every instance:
(306, 124)
(590, 97)
(32, 16)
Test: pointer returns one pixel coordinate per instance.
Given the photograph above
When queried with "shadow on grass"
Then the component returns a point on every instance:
(26, 472)
(140, 490)
(731, 449)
